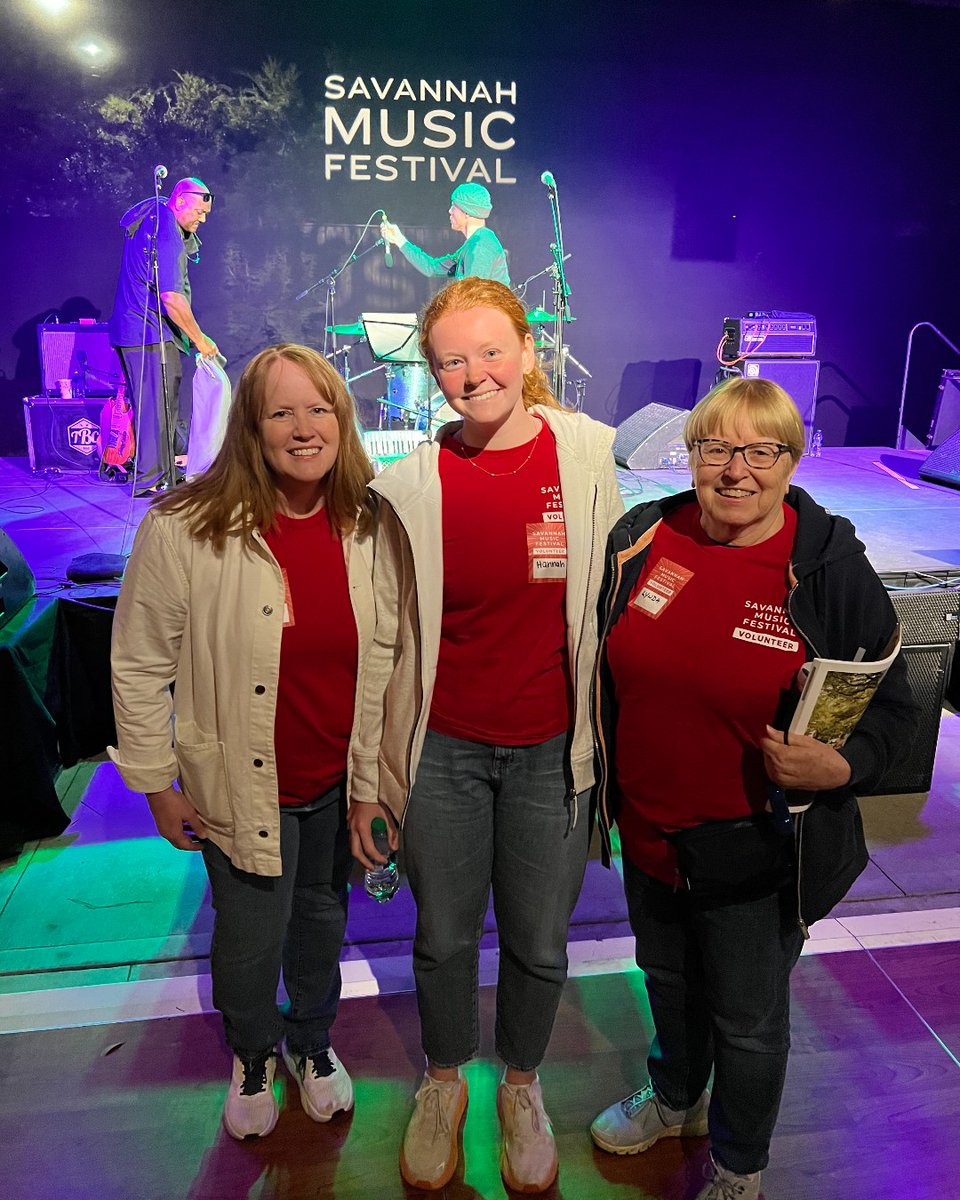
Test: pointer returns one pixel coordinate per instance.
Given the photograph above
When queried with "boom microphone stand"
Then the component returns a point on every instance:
(166, 425)
(561, 289)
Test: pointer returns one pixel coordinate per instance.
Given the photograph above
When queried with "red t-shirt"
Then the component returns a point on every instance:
(699, 659)
(502, 673)
(318, 659)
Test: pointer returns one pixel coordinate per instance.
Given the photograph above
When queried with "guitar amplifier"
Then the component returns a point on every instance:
(62, 435)
(78, 348)
(769, 335)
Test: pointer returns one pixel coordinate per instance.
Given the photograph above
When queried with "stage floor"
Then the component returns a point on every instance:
(108, 926)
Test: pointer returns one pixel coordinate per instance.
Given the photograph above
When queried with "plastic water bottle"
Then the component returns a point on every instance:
(381, 882)
(816, 444)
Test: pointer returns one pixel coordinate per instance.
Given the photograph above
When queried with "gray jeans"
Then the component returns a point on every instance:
(500, 816)
(296, 920)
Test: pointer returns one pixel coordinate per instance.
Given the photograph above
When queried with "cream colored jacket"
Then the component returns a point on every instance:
(212, 623)
(408, 586)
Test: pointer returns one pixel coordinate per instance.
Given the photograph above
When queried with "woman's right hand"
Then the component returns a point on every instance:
(391, 233)
(360, 817)
(177, 820)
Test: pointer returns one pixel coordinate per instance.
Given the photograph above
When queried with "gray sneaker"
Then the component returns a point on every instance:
(725, 1185)
(634, 1124)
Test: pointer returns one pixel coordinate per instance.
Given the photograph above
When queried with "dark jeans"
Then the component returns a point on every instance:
(718, 981)
(296, 920)
(504, 816)
(142, 369)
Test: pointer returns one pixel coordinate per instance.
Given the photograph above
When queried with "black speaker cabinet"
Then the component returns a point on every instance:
(646, 434)
(798, 377)
(929, 627)
(946, 412)
(81, 348)
(16, 579)
(62, 434)
(943, 465)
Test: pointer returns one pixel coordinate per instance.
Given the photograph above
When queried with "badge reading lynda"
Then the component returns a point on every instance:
(546, 551)
(661, 587)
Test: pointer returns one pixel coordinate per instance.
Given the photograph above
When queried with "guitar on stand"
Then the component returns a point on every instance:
(116, 441)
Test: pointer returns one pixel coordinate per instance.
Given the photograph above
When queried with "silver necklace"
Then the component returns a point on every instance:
(500, 474)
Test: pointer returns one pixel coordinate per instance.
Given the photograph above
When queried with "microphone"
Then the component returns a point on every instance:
(549, 180)
(387, 250)
(160, 171)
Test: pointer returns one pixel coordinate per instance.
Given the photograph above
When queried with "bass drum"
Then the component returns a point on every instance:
(408, 388)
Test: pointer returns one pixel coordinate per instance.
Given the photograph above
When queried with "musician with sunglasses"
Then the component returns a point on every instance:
(713, 600)
(141, 334)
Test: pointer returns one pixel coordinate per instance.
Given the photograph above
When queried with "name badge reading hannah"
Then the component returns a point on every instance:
(546, 551)
(661, 587)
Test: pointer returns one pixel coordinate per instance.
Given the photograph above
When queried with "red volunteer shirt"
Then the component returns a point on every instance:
(318, 659)
(502, 674)
(699, 658)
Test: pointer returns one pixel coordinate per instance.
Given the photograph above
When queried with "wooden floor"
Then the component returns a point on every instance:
(132, 1112)
(106, 923)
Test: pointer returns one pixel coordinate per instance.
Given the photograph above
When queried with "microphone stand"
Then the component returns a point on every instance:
(521, 288)
(166, 425)
(561, 295)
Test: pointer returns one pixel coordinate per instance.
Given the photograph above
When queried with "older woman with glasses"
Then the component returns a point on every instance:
(712, 602)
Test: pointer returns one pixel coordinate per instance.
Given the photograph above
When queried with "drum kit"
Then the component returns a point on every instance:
(412, 401)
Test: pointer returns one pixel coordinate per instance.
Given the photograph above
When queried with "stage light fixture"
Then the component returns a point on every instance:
(53, 7)
(95, 52)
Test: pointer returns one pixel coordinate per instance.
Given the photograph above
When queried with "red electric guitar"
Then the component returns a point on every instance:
(116, 442)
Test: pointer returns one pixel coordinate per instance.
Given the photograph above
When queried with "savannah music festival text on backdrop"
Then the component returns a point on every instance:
(389, 127)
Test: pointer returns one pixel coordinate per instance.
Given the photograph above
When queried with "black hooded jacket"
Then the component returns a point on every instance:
(838, 605)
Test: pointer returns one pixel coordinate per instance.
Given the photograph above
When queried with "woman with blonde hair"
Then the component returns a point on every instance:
(475, 736)
(239, 645)
(713, 601)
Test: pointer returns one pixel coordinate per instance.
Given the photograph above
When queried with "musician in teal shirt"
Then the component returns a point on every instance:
(481, 253)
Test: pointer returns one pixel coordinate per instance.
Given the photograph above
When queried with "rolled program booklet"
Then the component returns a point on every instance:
(835, 696)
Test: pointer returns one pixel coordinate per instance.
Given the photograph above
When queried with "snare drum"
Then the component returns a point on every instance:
(408, 387)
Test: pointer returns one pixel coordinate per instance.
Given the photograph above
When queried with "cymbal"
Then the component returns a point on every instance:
(539, 316)
(356, 330)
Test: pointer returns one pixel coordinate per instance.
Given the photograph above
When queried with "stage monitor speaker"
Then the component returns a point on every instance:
(943, 465)
(644, 435)
(946, 411)
(78, 349)
(929, 627)
(16, 580)
(798, 377)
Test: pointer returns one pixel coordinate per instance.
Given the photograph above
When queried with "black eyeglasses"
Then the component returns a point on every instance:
(206, 197)
(758, 455)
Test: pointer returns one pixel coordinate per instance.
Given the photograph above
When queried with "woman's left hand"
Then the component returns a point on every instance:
(803, 762)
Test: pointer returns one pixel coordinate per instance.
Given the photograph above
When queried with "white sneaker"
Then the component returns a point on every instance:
(633, 1125)
(726, 1185)
(429, 1154)
(325, 1087)
(251, 1108)
(528, 1157)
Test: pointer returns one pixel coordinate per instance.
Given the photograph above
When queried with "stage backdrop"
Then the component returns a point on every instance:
(711, 160)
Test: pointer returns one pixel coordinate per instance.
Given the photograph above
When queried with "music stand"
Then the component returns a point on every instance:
(393, 337)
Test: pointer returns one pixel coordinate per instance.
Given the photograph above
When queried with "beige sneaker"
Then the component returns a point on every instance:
(429, 1155)
(528, 1157)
